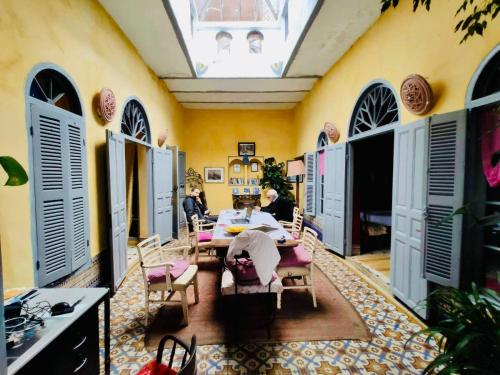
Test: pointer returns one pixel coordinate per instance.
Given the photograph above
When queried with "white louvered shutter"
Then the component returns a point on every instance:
(60, 185)
(445, 195)
(310, 186)
(162, 192)
(115, 143)
(79, 227)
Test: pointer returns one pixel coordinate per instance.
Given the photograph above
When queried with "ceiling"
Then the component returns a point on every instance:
(334, 28)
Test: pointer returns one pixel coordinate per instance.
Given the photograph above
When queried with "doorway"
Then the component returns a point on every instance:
(372, 180)
(138, 196)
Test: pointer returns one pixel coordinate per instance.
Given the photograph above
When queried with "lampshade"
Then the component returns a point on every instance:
(295, 168)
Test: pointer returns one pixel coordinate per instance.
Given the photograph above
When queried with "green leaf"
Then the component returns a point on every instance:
(15, 171)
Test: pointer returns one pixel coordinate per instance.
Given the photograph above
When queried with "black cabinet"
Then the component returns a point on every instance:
(75, 351)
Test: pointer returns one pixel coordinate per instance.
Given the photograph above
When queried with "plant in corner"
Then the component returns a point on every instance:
(467, 333)
(274, 177)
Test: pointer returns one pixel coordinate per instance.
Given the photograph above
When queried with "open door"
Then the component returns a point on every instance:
(162, 192)
(409, 201)
(334, 213)
(117, 206)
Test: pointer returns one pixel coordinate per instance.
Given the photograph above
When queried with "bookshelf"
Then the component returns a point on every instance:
(244, 176)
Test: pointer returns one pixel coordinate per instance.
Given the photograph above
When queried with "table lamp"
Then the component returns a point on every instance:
(295, 168)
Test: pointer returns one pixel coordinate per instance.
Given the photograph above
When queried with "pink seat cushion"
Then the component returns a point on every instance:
(295, 236)
(245, 273)
(157, 275)
(294, 257)
(204, 236)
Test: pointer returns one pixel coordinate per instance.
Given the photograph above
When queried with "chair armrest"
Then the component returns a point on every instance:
(155, 265)
(285, 223)
(212, 225)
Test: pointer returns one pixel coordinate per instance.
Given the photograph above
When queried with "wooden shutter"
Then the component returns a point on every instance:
(334, 211)
(79, 229)
(445, 195)
(181, 178)
(162, 192)
(310, 186)
(117, 206)
(50, 157)
(409, 200)
(60, 181)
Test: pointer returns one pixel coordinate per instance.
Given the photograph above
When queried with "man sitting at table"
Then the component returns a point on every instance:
(279, 207)
(194, 206)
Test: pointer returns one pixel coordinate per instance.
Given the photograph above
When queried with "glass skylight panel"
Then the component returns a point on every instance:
(241, 38)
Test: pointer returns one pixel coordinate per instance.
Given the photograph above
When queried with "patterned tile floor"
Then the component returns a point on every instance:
(386, 353)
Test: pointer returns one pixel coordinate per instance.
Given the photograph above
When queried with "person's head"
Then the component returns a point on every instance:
(195, 192)
(272, 195)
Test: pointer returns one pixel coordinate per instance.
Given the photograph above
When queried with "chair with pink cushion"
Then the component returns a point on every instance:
(294, 227)
(298, 262)
(163, 275)
(203, 236)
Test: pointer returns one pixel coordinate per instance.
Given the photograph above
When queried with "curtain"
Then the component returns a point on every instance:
(321, 163)
(490, 145)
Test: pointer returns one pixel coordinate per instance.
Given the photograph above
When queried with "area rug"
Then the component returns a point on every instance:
(218, 319)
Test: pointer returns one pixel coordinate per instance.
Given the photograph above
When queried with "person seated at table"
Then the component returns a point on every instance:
(279, 207)
(194, 206)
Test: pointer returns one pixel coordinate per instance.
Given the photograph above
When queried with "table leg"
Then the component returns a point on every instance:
(107, 336)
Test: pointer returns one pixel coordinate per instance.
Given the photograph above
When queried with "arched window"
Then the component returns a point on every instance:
(322, 140)
(376, 107)
(58, 173)
(488, 81)
(54, 88)
(135, 122)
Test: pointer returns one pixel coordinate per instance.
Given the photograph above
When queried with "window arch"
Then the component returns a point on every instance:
(135, 122)
(322, 141)
(54, 88)
(377, 106)
(58, 171)
(486, 80)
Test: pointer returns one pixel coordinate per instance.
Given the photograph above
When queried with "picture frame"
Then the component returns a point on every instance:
(254, 167)
(214, 174)
(246, 148)
(237, 168)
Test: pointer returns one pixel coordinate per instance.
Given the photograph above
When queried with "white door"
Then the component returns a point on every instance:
(117, 206)
(162, 192)
(409, 200)
(334, 211)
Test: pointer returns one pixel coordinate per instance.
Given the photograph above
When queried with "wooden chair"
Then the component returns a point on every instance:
(190, 234)
(162, 275)
(203, 236)
(294, 227)
(298, 262)
(188, 364)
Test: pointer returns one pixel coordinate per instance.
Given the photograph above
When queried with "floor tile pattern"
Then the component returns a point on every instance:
(386, 353)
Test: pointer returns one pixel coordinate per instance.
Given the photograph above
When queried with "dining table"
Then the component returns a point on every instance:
(221, 238)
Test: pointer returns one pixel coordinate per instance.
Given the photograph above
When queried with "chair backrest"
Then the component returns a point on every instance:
(296, 211)
(297, 223)
(196, 223)
(310, 240)
(147, 253)
(188, 365)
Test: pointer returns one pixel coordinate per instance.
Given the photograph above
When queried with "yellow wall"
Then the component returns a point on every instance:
(398, 44)
(80, 37)
(211, 136)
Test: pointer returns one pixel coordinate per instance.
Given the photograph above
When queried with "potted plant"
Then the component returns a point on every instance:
(16, 176)
(467, 332)
(274, 177)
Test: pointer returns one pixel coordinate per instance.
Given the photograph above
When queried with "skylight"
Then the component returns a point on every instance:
(241, 38)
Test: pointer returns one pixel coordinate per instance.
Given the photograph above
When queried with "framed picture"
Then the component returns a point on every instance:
(254, 167)
(237, 168)
(214, 174)
(246, 148)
